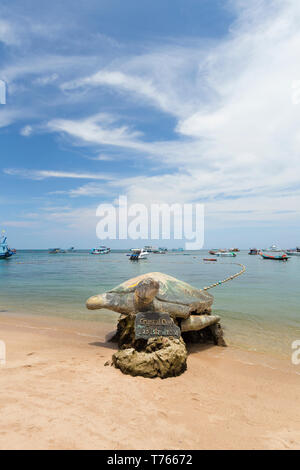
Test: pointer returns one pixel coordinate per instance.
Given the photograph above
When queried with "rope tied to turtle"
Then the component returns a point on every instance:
(230, 278)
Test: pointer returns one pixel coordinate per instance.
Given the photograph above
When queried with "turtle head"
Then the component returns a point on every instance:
(95, 302)
(145, 292)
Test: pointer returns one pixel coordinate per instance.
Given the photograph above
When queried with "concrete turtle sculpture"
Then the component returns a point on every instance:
(189, 307)
(154, 291)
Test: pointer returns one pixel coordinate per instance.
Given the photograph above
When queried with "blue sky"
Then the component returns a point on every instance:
(165, 101)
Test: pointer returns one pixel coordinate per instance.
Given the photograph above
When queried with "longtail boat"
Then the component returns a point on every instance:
(278, 257)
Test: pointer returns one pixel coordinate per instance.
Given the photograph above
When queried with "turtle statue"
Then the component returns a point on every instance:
(189, 308)
(154, 291)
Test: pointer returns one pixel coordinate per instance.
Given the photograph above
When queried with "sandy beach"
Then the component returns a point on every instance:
(57, 393)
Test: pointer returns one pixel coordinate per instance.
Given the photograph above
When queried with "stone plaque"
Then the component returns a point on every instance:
(152, 324)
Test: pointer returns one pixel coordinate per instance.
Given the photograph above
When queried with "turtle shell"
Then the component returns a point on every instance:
(170, 289)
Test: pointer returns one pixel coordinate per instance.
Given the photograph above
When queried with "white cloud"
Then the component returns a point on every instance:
(26, 131)
(8, 115)
(135, 85)
(102, 158)
(90, 189)
(46, 79)
(18, 223)
(7, 33)
(44, 174)
(97, 129)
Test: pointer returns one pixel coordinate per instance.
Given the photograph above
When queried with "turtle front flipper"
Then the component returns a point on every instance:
(119, 303)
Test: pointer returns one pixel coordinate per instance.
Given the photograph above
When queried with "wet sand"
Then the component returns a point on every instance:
(57, 393)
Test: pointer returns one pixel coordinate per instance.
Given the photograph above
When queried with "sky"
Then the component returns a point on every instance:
(170, 101)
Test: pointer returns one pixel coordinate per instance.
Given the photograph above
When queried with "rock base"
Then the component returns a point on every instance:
(162, 357)
(157, 357)
(211, 335)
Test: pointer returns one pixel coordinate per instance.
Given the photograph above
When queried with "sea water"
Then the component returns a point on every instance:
(259, 310)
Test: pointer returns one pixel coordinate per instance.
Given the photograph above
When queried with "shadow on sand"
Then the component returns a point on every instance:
(108, 343)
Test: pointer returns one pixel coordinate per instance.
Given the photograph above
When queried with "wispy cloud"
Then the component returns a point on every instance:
(143, 87)
(44, 174)
(98, 129)
(8, 34)
(18, 223)
(26, 131)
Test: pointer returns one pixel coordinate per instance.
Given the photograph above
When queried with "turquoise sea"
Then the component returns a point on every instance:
(260, 310)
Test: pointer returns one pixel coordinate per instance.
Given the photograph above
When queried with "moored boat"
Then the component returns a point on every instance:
(102, 250)
(150, 249)
(274, 248)
(161, 251)
(278, 256)
(228, 254)
(5, 251)
(295, 252)
(253, 251)
(137, 254)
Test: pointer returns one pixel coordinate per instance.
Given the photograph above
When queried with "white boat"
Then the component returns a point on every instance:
(227, 254)
(294, 252)
(150, 248)
(138, 253)
(274, 248)
(161, 250)
(5, 251)
(102, 250)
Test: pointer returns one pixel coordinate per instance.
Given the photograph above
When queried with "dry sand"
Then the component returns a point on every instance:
(56, 393)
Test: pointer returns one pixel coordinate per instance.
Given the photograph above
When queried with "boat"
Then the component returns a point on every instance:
(274, 248)
(137, 254)
(5, 251)
(230, 254)
(278, 256)
(295, 252)
(102, 250)
(253, 251)
(161, 251)
(150, 249)
(175, 250)
(236, 250)
(210, 259)
(55, 251)
(212, 252)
